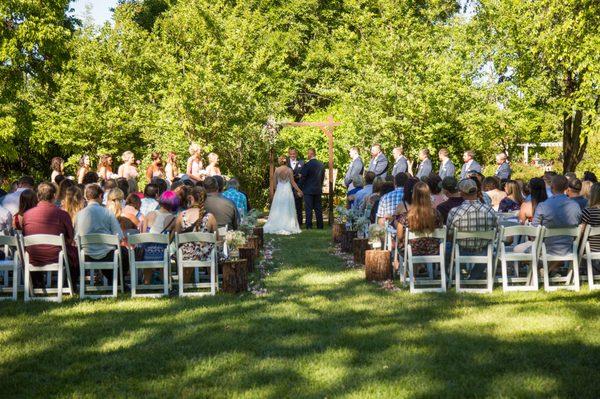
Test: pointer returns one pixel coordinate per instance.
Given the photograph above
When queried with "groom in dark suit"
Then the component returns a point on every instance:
(296, 165)
(312, 176)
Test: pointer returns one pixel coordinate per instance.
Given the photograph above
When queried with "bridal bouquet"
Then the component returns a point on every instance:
(376, 235)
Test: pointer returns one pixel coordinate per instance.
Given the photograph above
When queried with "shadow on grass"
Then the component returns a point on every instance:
(302, 340)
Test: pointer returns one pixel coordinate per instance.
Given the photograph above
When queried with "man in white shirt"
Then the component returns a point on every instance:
(11, 200)
(469, 164)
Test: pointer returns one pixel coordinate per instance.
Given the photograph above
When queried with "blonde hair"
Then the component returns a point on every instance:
(194, 148)
(586, 189)
(114, 201)
(126, 156)
(73, 201)
(282, 160)
(212, 157)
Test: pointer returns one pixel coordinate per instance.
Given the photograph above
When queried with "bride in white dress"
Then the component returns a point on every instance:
(282, 216)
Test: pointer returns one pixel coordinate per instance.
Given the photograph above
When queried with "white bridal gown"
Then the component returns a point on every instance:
(282, 216)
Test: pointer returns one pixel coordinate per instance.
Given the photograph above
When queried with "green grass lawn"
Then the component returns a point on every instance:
(321, 331)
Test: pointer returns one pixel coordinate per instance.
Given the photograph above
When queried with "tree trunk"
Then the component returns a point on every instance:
(259, 232)
(378, 265)
(573, 147)
(347, 239)
(337, 232)
(252, 242)
(235, 276)
(247, 253)
(360, 245)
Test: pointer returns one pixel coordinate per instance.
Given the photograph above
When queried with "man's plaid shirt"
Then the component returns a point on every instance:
(389, 202)
(472, 216)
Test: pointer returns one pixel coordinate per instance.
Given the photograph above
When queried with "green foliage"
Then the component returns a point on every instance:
(412, 73)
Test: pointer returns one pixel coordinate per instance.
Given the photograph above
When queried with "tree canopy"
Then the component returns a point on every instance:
(416, 73)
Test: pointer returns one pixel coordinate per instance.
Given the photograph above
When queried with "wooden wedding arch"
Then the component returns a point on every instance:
(327, 127)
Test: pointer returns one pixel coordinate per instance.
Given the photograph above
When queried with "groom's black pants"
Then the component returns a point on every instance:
(313, 202)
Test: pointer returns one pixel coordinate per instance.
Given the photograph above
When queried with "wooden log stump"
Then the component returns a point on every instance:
(260, 233)
(247, 253)
(359, 247)
(235, 276)
(347, 240)
(378, 265)
(337, 232)
(252, 242)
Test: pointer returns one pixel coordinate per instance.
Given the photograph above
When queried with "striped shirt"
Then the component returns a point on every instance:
(591, 217)
(472, 216)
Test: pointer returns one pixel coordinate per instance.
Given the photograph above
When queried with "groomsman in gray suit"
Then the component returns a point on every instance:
(503, 171)
(379, 162)
(425, 167)
(401, 164)
(447, 168)
(355, 169)
(469, 165)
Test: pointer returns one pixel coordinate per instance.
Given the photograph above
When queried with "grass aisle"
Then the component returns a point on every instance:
(320, 331)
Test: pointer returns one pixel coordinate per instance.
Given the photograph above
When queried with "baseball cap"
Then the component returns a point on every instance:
(467, 186)
(575, 184)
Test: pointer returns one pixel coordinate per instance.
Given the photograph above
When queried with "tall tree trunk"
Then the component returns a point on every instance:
(573, 147)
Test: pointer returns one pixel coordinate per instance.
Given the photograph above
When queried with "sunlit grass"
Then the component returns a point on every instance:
(320, 331)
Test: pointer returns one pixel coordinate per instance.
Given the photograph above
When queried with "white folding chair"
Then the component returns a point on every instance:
(211, 263)
(114, 265)
(430, 283)
(508, 218)
(11, 263)
(589, 256)
(571, 281)
(222, 232)
(506, 255)
(60, 267)
(486, 257)
(142, 239)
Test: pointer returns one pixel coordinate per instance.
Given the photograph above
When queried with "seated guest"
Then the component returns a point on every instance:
(96, 219)
(369, 200)
(386, 187)
(366, 190)
(232, 193)
(114, 203)
(450, 189)
(195, 219)
(58, 179)
(590, 176)
(591, 217)
(46, 218)
(11, 200)
(162, 185)
(471, 215)
(435, 187)
(405, 205)
(90, 178)
(514, 198)
(73, 202)
(537, 190)
(586, 189)
(124, 186)
(132, 211)
(223, 209)
(27, 201)
(108, 185)
(556, 211)
(421, 218)
(548, 181)
(357, 184)
(182, 191)
(574, 192)
(149, 202)
(491, 186)
(161, 221)
(389, 202)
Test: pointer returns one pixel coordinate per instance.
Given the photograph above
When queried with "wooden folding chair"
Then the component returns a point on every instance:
(410, 260)
(486, 257)
(505, 255)
(114, 265)
(11, 263)
(210, 264)
(571, 281)
(60, 267)
(589, 256)
(164, 264)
